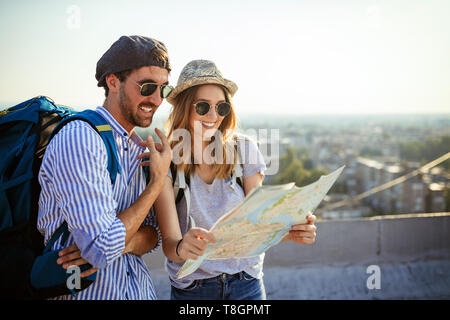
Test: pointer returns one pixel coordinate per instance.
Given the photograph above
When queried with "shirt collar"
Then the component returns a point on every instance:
(117, 127)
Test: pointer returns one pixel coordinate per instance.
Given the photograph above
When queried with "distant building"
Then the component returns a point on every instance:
(412, 196)
(344, 212)
(368, 173)
(388, 199)
(421, 193)
(435, 197)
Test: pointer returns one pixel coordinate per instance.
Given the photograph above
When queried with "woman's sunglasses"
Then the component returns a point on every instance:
(148, 88)
(222, 108)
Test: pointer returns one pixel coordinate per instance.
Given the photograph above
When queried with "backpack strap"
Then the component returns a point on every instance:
(102, 127)
(180, 185)
(238, 173)
(62, 230)
(176, 190)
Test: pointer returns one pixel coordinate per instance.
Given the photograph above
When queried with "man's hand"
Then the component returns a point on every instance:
(71, 256)
(160, 156)
(303, 233)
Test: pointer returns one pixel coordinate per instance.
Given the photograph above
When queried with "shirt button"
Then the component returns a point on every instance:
(126, 149)
(125, 134)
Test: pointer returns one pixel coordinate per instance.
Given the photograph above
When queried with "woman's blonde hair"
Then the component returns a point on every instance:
(179, 119)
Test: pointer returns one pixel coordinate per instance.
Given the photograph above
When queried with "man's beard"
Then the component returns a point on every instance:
(130, 113)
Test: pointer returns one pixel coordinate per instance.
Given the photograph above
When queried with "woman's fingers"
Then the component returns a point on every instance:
(195, 242)
(304, 233)
(191, 252)
(311, 218)
(201, 234)
(303, 237)
(304, 227)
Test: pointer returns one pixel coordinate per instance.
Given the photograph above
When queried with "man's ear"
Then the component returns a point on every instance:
(113, 83)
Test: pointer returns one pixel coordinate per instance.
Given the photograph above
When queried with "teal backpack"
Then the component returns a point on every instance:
(25, 131)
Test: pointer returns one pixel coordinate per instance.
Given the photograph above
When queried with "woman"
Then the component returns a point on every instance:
(203, 111)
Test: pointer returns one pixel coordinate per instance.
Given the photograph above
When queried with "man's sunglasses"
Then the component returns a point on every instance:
(148, 88)
(222, 108)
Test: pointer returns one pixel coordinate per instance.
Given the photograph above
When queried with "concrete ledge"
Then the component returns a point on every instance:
(382, 239)
(412, 251)
(416, 280)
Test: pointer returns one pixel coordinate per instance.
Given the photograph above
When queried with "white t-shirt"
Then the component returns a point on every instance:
(209, 202)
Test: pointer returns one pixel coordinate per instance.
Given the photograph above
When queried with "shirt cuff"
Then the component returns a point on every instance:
(151, 221)
(105, 248)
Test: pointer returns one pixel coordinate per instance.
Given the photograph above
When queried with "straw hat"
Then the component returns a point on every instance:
(198, 72)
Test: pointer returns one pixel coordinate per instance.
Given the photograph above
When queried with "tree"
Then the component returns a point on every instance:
(292, 169)
(427, 150)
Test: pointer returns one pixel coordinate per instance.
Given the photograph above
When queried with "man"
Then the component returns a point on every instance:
(111, 225)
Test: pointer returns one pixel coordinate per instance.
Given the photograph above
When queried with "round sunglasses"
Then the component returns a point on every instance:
(203, 107)
(148, 88)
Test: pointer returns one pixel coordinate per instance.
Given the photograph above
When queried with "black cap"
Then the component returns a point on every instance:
(129, 52)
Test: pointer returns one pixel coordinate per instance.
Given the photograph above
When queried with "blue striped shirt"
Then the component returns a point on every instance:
(76, 187)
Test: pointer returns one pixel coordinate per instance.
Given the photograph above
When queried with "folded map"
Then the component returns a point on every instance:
(264, 217)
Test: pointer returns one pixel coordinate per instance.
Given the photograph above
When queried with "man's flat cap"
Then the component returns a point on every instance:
(129, 52)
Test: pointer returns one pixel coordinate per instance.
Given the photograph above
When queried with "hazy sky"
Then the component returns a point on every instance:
(311, 56)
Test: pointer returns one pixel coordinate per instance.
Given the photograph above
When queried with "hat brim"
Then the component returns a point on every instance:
(228, 84)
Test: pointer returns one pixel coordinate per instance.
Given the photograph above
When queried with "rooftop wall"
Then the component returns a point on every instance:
(387, 239)
(412, 251)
